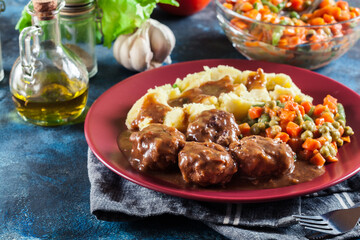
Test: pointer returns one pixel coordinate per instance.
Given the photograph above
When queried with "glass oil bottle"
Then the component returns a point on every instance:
(48, 82)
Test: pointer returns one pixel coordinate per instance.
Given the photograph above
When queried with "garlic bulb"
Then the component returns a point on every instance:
(148, 47)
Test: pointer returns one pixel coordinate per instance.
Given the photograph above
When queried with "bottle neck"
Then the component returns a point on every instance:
(50, 30)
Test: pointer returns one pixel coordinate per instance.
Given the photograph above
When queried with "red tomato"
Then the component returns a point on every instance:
(187, 7)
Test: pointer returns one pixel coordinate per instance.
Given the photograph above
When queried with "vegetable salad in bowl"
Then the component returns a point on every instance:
(281, 30)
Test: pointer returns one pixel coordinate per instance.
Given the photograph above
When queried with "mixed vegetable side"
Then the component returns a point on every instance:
(313, 132)
(288, 13)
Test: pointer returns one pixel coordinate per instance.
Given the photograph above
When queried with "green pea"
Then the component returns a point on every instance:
(327, 136)
(306, 134)
(270, 104)
(280, 104)
(294, 14)
(339, 142)
(304, 18)
(324, 129)
(257, 128)
(273, 123)
(264, 118)
(332, 150)
(275, 118)
(336, 125)
(281, 5)
(348, 131)
(342, 122)
(329, 125)
(256, 6)
(335, 134)
(309, 125)
(275, 130)
(324, 150)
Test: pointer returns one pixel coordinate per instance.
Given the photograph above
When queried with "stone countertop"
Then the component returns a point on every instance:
(44, 187)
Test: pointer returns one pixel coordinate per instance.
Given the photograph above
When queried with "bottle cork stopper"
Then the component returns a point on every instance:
(44, 8)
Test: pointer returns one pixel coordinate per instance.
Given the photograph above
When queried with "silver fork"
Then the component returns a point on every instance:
(334, 222)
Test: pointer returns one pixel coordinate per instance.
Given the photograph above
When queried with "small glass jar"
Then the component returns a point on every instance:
(78, 31)
(2, 8)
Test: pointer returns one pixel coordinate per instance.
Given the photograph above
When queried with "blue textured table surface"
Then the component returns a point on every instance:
(44, 187)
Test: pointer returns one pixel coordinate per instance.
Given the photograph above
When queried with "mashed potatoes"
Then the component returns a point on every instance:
(238, 96)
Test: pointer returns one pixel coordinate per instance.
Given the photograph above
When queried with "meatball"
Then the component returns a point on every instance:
(206, 163)
(259, 157)
(214, 126)
(155, 147)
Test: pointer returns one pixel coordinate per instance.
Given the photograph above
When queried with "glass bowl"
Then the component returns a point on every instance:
(259, 40)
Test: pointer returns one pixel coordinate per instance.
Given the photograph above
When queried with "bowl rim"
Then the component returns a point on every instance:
(235, 14)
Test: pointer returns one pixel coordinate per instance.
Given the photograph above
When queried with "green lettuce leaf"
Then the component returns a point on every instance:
(118, 17)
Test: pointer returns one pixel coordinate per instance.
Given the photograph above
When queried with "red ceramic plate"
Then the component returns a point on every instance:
(105, 120)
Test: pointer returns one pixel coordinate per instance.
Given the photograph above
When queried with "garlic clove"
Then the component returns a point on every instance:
(124, 54)
(162, 40)
(117, 45)
(140, 54)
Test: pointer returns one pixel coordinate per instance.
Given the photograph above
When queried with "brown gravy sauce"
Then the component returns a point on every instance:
(303, 172)
(196, 95)
(151, 108)
(256, 80)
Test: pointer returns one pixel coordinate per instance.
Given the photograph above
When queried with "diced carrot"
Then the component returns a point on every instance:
(302, 110)
(297, 5)
(330, 99)
(255, 112)
(356, 11)
(311, 144)
(317, 21)
(332, 159)
(282, 136)
(291, 106)
(228, 5)
(327, 117)
(287, 116)
(253, 14)
(335, 11)
(341, 130)
(322, 140)
(328, 18)
(238, 23)
(318, 160)
(319, 121)
(325, 3)
(246, 6)
(343, 5)
(286, 98)
(293, 129)
(268, 132)
(352, 15)
(276, 2)
(344, 16)
(346, 139)
(283, 43)
(272, 113)
(252, 43)
(244, 129)
(319, 109)
(307, 106)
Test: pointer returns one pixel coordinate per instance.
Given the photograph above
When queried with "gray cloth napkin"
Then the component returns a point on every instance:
(113, 198)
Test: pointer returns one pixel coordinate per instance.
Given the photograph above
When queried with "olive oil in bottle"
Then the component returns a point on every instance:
(49, 83)
(55, 105)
